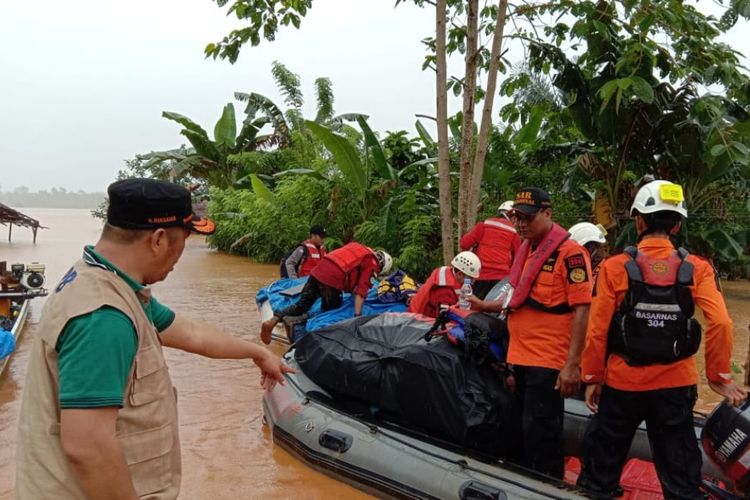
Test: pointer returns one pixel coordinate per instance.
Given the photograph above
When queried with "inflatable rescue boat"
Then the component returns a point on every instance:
(375, 403)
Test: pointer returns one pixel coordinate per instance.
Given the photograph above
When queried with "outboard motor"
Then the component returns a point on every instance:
(726, 441)
(33, 276)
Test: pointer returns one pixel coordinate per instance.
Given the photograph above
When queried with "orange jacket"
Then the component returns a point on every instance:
(314, 254)
(441, 287)
(496, 241)
(611, 286)
(540, 338)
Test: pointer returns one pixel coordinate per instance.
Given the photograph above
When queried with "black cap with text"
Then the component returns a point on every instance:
(151, 204)
(530, 200)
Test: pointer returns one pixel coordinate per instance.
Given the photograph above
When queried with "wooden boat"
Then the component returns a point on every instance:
(19, 286)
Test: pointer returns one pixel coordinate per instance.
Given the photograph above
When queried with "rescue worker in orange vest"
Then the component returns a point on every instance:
(638, 360)
(444, 285)
(346, 269)
(593, 239)
(548, 309)
(302, 260)
(495, 241)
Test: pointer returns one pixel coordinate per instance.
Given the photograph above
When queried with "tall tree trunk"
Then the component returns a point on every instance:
(444, 166)
(467, 129)
(486, 126)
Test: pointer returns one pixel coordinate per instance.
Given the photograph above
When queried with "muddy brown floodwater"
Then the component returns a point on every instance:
(227, 451)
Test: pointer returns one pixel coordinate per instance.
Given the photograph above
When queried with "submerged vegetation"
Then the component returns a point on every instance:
(619, 91)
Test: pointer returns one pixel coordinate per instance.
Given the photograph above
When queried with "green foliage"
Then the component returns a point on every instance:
(264, 227)
(344, 154)
(265, 18)
(629, 106)
(421, 252)
(324, 96)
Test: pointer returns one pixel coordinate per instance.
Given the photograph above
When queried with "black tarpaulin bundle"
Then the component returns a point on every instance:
(385, 361)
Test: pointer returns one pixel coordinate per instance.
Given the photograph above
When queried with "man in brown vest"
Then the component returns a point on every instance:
(99, 413)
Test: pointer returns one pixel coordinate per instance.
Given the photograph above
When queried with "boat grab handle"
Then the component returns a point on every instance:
(474, 490)
(335, 440)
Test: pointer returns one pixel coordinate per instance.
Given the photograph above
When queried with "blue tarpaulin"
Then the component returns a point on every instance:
(7, 343)
(316, 318)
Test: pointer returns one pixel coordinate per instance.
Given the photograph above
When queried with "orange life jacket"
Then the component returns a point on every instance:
(442, 276)
(312, 258)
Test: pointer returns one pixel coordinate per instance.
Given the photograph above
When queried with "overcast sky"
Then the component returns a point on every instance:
(83, 83)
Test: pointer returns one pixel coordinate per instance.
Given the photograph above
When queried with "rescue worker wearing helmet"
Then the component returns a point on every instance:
(593, 239)
(346, 269)
(641, 339)
(548, 310)
(495, 241)
(444, 284)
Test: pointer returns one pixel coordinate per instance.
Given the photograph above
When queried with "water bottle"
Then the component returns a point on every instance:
(466, 292)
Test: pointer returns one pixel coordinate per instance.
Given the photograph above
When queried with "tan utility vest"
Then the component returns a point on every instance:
(146, 424)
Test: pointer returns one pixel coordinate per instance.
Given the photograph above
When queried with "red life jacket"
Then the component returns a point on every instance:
(523, 278)
(311, 259)
(442, 276)
(495, 249)
(350, 256)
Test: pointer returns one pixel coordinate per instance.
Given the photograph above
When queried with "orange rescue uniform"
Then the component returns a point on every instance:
(611, 287)
(541, 338)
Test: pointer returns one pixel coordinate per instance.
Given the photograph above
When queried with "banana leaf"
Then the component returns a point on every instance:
(225, 130)
(378, 156)
(185, 122)
(344, 154)
(724, 245)
(260, 189)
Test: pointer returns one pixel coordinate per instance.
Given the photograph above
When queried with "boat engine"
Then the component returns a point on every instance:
(30, 276)
(726, 441)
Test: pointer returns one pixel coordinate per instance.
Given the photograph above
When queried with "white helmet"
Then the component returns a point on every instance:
(586, 232)
(505, 206)
(384, 260)
(468, 263)
(659, 196)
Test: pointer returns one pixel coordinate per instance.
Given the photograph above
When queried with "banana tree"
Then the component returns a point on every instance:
(209, 158)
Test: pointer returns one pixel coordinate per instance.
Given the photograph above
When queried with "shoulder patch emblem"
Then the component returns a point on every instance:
(577, 275)
(576, 260)
(69, 276)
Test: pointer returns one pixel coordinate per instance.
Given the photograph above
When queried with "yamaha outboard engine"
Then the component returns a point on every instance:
(726, 441)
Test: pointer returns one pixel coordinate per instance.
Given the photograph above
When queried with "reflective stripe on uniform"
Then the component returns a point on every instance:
(442, 276)
(500, 225)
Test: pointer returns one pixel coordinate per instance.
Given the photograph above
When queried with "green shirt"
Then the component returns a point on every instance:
(96, 350)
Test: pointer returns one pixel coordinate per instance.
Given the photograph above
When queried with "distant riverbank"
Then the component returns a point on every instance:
(22, 197)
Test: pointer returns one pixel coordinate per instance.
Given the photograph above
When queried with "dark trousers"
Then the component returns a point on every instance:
(481, 288)
(313, 290)
(669, 421)
(541, 419)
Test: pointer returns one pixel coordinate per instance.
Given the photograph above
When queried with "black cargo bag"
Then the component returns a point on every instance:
(384, 360)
